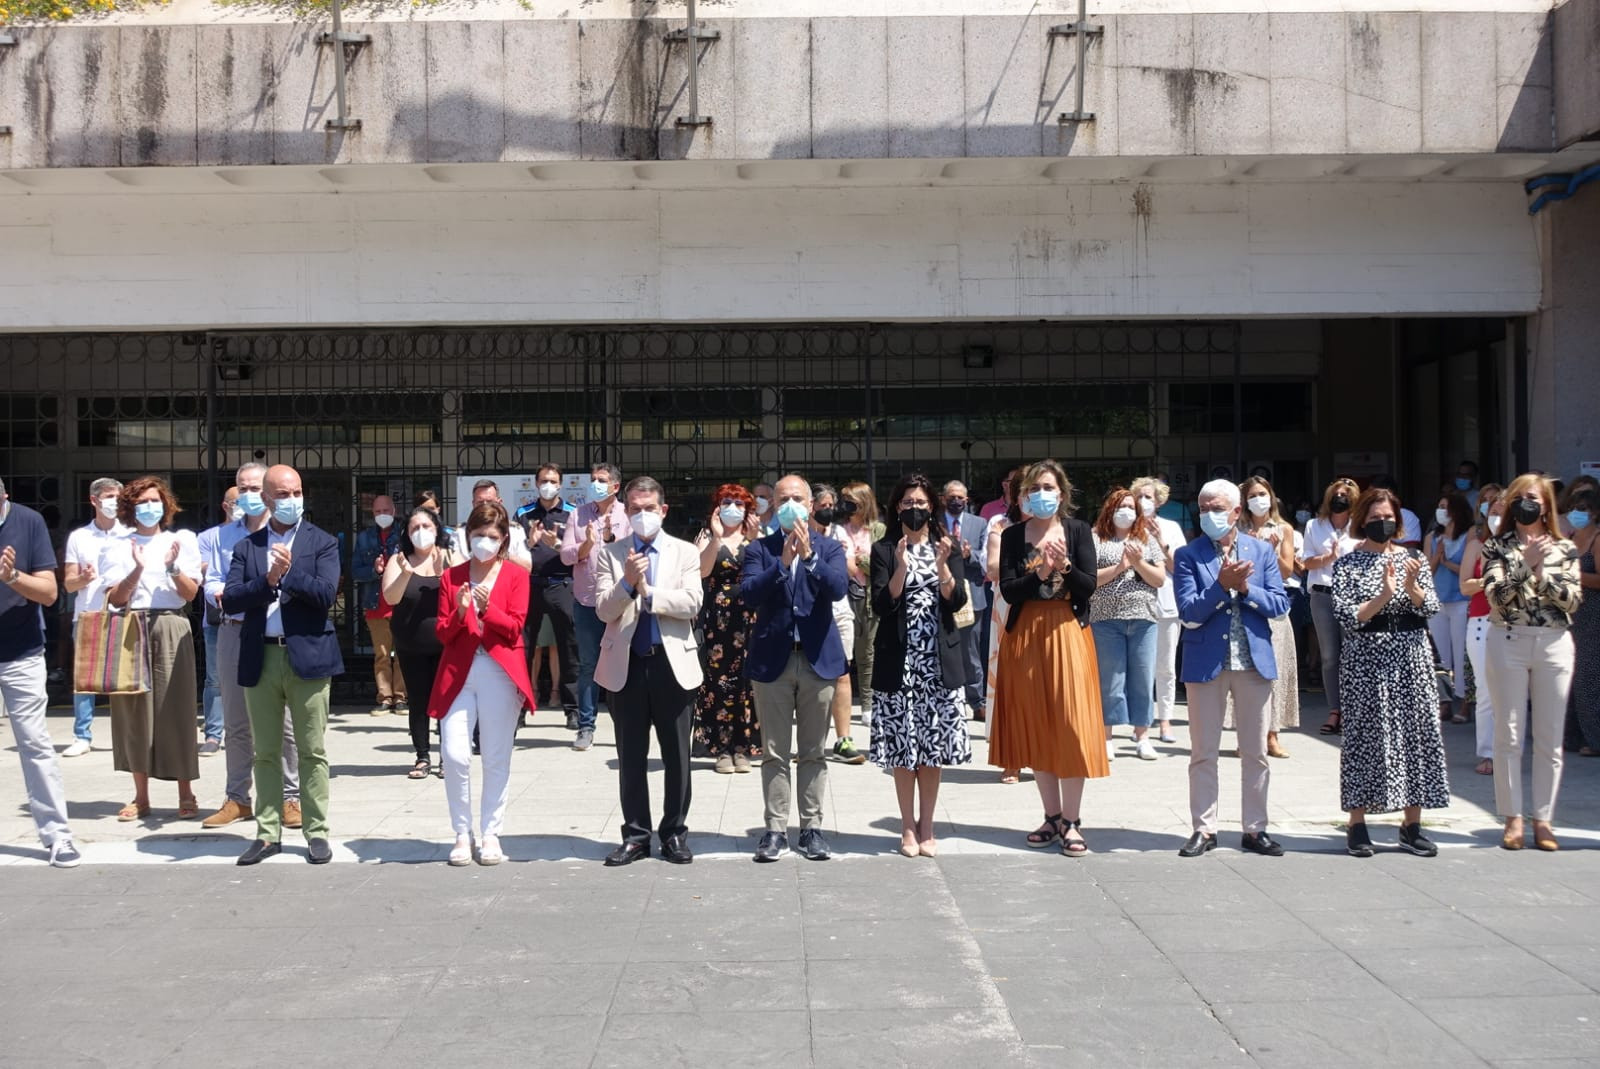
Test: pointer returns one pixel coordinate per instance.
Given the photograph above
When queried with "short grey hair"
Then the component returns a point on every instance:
(803, 482)
(1223, 488)
(643, 484)
(249, 466)
(100, 486)
(1158, 488)
(613, 473)
(954, 482)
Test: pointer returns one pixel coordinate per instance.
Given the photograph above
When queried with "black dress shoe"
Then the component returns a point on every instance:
(772, 846)
(258, 852)
(318, 852)
(627, 854)
(813, 847)
(675, 848)
(572, 721)
(1261, 843)
(1198, 843)
(1357, 841)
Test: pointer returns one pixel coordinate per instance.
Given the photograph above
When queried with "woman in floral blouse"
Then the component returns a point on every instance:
(1531, 578)
(725, 712)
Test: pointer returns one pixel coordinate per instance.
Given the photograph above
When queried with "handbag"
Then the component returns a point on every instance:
(966, 616)
(112, 655)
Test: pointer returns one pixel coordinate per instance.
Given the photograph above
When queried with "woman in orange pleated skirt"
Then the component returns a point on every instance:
(1046, 712)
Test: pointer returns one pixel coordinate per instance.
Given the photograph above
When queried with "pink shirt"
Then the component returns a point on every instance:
(572, 540)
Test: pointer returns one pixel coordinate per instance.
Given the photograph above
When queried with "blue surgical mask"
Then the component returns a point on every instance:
(791, 513)
(251, 502)
(1463, 484)
(1042, 504)
(288, 510)
(599, 490)
(1579, 518)
(149, 513)
(732, 516)
(1216, 525)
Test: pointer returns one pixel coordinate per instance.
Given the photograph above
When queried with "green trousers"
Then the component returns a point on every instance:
(307, 702)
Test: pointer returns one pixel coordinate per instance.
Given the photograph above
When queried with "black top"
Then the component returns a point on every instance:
(1019, 583)
(547, 566)
(414, 618)
(889, 648)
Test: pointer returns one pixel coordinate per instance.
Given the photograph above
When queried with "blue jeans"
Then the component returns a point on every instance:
(590, 632)
(211, 696)
(82, 706)
(1126, 650)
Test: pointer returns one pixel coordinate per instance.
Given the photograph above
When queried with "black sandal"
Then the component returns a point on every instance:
(1047, 834)
(418, 770)
(1072, 847)
(1333, 725)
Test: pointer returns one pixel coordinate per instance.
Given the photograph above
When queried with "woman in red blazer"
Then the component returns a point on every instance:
(483, 678)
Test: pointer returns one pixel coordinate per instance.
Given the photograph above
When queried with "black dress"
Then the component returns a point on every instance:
(417, 648)
(921, 722)
(725, 709)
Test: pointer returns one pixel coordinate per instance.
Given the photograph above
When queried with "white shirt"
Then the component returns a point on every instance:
(1292, 580)
(84, 547)
(156, 589)
(286, 539)
(1410, 526)
(1321, 539)
(1172, 540)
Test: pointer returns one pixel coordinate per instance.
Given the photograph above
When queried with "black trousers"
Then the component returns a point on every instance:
(555, 602)
(652, 698)
(419, 670)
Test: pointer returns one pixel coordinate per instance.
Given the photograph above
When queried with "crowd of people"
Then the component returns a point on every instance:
(740, 644)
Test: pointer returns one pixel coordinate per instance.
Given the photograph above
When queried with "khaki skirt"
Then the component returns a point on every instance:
(1047, 696)
(154, 733)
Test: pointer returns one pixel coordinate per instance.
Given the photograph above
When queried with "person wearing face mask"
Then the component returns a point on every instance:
(1393, 755)
(1329, 537)
(284, 579)
(968, 531)
(1466, 483)
(1490, 514)
(825, 524)
(211, 626)
(726, 706)
(792, 580)
(1229, 591)
(550, 604)
(920, 666)
(596, 524)
(861, 529)
(1583, 707)
(81, 577)
(1566, 502)
(1260, 519)
(1445, 548)
(1013, 514)
(1046, 712)
(374, 546)
(1152, 494)
(483, 679)
(649, 595)
(1533, 580)
(1130, 567)
(766, 519)
(155, 572)
(250, 514)
(411, 590)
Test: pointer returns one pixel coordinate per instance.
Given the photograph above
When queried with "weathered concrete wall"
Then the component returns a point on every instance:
(1576, 67)
(1318, 82)
(147, 259)
(1564, 340)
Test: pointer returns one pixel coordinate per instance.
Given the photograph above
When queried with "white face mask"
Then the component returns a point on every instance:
(762, 504)
(731, 515)
(108, 507)
(1260, 504)
(384, 520)
(549, 491)
(236, 513)
(645, 524)
(485, 547)
(1494, 524)
(424, 537)
(1147, 505)
(1123, 518)
(1443, 516)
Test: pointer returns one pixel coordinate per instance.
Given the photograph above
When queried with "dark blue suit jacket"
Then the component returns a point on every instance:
(1203, 605)
(782, 602)
(308, 590)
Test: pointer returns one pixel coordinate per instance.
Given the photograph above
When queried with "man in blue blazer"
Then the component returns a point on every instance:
(1228, 590)
(794, 657)
(284, 578)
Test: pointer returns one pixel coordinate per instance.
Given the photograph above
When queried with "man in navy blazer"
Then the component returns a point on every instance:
(1228, 590)
(793, 658)
(284, 578)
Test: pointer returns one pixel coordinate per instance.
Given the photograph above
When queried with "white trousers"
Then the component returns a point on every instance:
(1483, 712)
(1167, 631)
(1530, 671)
(488, 702)
(1448, 627)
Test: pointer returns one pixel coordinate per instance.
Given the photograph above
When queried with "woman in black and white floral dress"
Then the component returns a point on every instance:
(919, 718)
(1393, 755)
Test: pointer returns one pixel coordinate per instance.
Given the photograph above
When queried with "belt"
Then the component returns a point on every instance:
(1321, 588)
(275, 640)
(1380, 624)
(155, 612)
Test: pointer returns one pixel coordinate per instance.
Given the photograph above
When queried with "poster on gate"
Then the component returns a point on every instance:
(515, 492)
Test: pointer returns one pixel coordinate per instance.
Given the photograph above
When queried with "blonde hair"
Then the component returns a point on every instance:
(1246, 518)
(1163, 492)
(1547, 498)
(1032, 474)
(1348, 485)
(866, 503)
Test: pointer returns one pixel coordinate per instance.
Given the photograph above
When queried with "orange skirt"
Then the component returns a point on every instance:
(1047, 697)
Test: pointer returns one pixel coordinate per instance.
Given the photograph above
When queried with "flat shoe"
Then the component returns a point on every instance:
(188, 808)
(1509, 842)
(132, 811)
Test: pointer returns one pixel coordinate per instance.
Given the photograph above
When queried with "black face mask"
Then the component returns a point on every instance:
(1379, 531)
(825, 517)
(1526, 512)
(955, 508)
(914, 519)
(1340, 504)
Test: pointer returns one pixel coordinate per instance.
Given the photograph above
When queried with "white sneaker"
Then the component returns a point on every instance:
(78, 748)
(1111, 750)
(1146, 750)
(64, 855)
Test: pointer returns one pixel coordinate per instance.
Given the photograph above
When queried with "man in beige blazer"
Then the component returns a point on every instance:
(647, 593)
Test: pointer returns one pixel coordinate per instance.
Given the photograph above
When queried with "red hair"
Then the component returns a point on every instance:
(1142, 530)
(732, 492)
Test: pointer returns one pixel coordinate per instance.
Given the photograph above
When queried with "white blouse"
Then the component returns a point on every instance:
(1321, 539)
(156, 589)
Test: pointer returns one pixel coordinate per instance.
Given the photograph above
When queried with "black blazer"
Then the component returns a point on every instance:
(308, 591)
(1018, 584)
(889, 648)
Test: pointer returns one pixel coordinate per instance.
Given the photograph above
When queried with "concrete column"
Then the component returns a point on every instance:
(1564, 338)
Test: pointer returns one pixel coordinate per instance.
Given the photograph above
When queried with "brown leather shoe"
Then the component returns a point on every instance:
(291, 814)
(230, 812)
